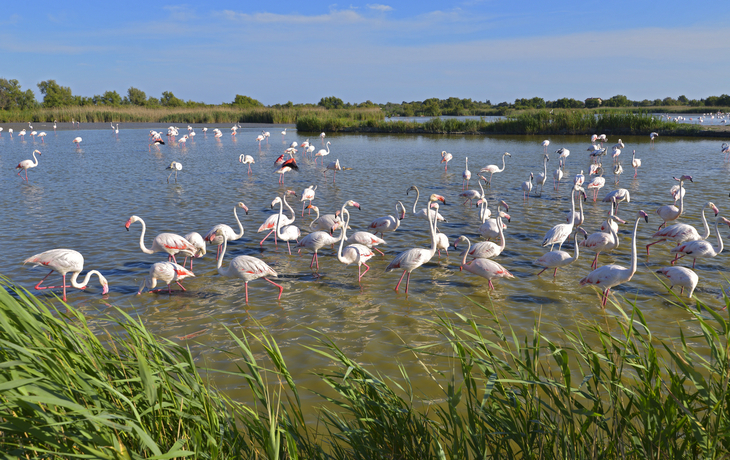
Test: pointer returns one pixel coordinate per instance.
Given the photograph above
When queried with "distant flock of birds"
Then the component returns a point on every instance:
(359, 247)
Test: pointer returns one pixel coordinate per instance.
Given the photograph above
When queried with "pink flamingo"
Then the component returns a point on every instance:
(491, 169)
(559, 258)
(199, 243)
(322, 152)
(445, 158)
(683, 232)
(166, 272)
(64, 261)
(701, 248)
(612, 275)
(27, 164)
(270, 222)
(670, 212)
(681, 276)
(353, 253)
(388, 223)
(466, 175)
(486, 268)
(227, 231)
(247, 160)
(285, 167)
(308, 195)
(164, 242)
(77, 141)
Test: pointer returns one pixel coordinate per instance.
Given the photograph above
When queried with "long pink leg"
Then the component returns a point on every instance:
(289, 247)
(316, 258)
(262, 241)
(381, 252)
(183, 288)
(408, 281)
(555, 273)
(650, 244)
(399, 281)
(676, 258)
(367, 267)
(491, 286)
(64, 287)
(281, 288)
(246, 284)
(38, 286)
(312, 262)
(540, 273)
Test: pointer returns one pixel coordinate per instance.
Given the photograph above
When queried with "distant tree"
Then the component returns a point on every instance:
(431, 108)
(153, 102)
(245, 102)
(592, 102)
(331, 102)
(567, 103)
(645, 103)
(136, 96)
(618, 100)
(13, 97)
(55, 95)
(669, 101)
(683, 99)
(488, 103)
(656, 102)
(108, 98)
(695, 103)
(169, 100)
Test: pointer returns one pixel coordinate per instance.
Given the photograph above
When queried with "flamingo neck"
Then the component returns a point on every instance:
(83, 284)
(681, 199)
(572, 206)
(719, 238)
(707, 226)
(240, 226)
(418, 195)
(580, 216)
(432, 227)
(343, 235)
(223, 271)
(503, 163)
(289, 208)
(633, 250)
(575, 243)
(141, 239)
(468, 247)
(501, 232)
(36, 159)
(278, 220)
(544, 166)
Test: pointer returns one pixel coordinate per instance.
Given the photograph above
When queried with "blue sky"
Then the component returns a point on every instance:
(391, 51)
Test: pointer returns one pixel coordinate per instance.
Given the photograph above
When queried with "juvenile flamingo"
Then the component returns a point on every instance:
(64, 261)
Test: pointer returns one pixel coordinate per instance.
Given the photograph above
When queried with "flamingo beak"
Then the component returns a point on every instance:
(105, 288)
(129, 222)
(245, 208)
(717, 211)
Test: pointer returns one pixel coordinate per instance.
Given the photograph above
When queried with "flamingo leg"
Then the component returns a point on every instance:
(694, 261)
(288, 247)
(178, 283)
(676, 258)
(540, 272)
(38, 286)
(367, 268)
(260, 243)
(281, 288)
(381, 252)
(555, 273)
(64, 287)
(399, 281)
(408, 281)
(312, 262)
(681, 291)
(650, 244)
(302, 209)
(595, 261)
(491, 286)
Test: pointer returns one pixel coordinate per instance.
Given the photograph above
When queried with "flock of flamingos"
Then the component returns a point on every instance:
(360, 247)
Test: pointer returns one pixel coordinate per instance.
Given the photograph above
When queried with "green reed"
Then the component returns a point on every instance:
(633, 396)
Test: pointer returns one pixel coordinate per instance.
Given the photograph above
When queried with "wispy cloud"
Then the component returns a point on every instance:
(381, 8)
(180, 12)
(337, 16)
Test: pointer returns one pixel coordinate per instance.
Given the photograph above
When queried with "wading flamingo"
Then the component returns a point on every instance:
(247, 160)
(77, 141)
(285, 167)
(164, 242)
(353, 253)
(486, 268)
(445, 158)
(701, 248)
(196, 239)
(542, 177)
(683, 232)
(466, 175)
(559, 233)
(487, 249)
(285, 232)
(27, 164)
(422, 212)
(612, 275)
(323, 153)
(636, 164)
(558, 258)
(545, 144)
(603, 242)
(64, 261)
(227, 232)
(175, 167)
(491, 169)
(670, 212)
(527, 187)
(388, 223)
(270, 222)
(681, 276)
(166, 272)
(308, 195)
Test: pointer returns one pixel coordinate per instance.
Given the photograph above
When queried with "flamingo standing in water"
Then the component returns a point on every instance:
(77, 141)
(270, 222)
(636, 163)
(527, 187)
(486, 268)
(445, 158)
(491, 169)
(423, 213)
(199, 243)
(545, 144)
(246, 159)
(612, 275)
(27, 164)
(681, 276)
(683, 232)
(227, 232)
(285, 232)
(388, 223)
(333, 166)
(559, 258)
(308, 195)
(559, 233)
(166, 272)
(653, 136)
(285, 167)
(670, 212)
(164, 242)
(64, 261)
(283, 133)
(466, 175)
(42, 135)
(247, 268)
(322, 153)
(175, 167)
(541, 177)
(701, 248)
(413, 258)
(259, 138)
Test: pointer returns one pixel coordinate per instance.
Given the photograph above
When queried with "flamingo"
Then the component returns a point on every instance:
(527, 187)
(701, 248)
(353, 253)
(612, 275)
(1, 131)
(725, 148)
(314, 242)
(653, 136)
(247, 160)
(559, 258)
(54, 124)
(366, 239)
(388, 223)
(326, 222)
(10, 131)
(308, 195)
(564, 154)
(487, 249)
(183, 140)
(616, 153)
(422, 212)
(557, 176)
(470, 195)
(77, 141)
(491, 169)
(25, 165)
(322, 153)
(321, 136)
(164, 242)
(445, 158)
(670, 212)
(166, 272)
(259, 138)
(413, 258)
(683, 232)
(333, 166)
(559, 233)
(309, 151)
(227, 232)
(542, 177)
(617, 171)
(22, 134)
(285, 232)
(116, 130)
(287, 166)
(283, 133)
(293, 145)
(42, 135)
(490, 227)
(33, 133)
(618, 145)
(579, 178)
(270, 222)
(267, 135)
(199, 243)
(578, 217)
(603, 242)
(545, 144)
(175, 167)
(442, 241)
(486, 268)
(466, 175)
(681, 276)
(635, 163)
(234, 129)
(247, 268)
(621, 194)
(64, 261)
(156, 142)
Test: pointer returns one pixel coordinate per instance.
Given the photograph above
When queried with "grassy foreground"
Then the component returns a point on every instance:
(534, 122)
(66, 394)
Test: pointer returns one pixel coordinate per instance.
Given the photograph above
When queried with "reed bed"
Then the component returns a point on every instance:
(215, 114)
(535, 122)
(635, 396)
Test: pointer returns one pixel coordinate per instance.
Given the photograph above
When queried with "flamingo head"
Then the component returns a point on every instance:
(617, 219)
(412, 187)
(212, 236)
(37, 151)
(684, 177)
(276, 201)
(725, 221)
(461, 239)
(291, 192)
(580, 229)
(354, 204)
(508, 154)
(131, 220)
(504, 215)
(641, 214)
(243, 206)
(503, 204)
(435, 197)
(104, 285)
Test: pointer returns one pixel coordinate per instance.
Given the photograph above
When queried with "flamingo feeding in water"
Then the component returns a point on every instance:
(227, 232)
(175, 167)
(247, 268)
(308, 195)
(683, 232)
(612, 275)
(25, 165)
(199, 243)
(247, 160)
(64, 261)
(77, 141)
(166, 272)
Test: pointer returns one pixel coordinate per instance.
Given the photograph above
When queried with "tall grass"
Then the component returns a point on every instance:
(216, 114)
(634, 396)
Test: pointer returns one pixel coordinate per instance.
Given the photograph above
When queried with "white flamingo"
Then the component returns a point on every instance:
(326, 222)
(491, 169)
(701, 248)
(247, 160)
(542, 177)
(670, 212)
(248, 269)
(559, 233)
(322, 153)
(227, 232)
(445, 158)
(683, 232)
(422, 212)
(170, 243)
(64, 261)
(196, 239)
(486, 268)
(564, 154)
(635, 163)
(270, 222)
(681, 276)
(545, 144)
(25, 165)
(285, 232)
(466, 175)
(612, 275)
(527, 187)
(602, 242)
(487, 249)
(166, 272)
(308, 195)
(175, 167)
(388, 223)
(558, 258)
(353, 253)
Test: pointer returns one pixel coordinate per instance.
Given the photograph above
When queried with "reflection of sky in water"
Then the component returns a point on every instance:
(81, 199)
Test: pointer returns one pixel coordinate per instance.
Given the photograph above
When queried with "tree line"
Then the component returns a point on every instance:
(12, 97)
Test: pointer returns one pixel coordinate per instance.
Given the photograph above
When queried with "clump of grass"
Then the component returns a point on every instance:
(634, 396)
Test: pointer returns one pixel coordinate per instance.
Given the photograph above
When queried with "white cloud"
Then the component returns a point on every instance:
(343, 16)
(381, 8)
(180, 12)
